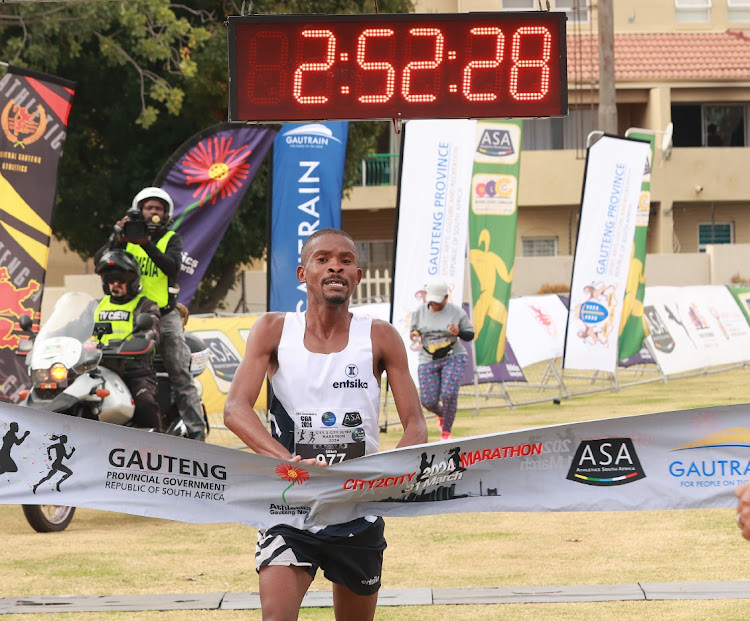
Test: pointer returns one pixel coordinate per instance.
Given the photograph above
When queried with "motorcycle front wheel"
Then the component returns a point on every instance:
(48, 518)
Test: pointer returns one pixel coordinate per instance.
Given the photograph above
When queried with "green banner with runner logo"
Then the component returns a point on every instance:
(492, 233)
(633, 326)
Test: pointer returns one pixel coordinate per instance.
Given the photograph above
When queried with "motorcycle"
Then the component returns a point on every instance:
(68, 376)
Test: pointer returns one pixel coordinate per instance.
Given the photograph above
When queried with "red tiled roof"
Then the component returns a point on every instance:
(665, 56)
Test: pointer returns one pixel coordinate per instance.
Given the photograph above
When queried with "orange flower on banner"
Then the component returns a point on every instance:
(217, 168)
(291, 473)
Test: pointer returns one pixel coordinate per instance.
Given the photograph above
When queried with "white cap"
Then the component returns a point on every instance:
(436, 291)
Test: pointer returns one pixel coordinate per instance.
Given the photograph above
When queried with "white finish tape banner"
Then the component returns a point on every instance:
(536, 328)
(604, 245)
(673, 460)
(695, 327)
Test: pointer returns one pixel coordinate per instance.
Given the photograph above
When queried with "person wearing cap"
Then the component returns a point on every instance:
(114, 318)
(438, 325)
(159, 254)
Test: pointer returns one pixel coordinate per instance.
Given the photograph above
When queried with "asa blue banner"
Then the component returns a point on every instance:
(207, 178)
(308, 176)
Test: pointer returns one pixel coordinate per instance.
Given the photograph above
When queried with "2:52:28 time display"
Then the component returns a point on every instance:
(405, 66)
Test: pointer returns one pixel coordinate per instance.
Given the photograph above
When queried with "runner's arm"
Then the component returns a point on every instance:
(389, 351)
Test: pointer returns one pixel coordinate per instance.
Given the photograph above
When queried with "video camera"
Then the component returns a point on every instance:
(135, 227)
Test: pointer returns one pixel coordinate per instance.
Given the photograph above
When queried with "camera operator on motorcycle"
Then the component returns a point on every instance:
(143, 233)
(114, 318)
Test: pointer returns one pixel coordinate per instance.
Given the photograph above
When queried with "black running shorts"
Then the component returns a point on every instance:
(355, 562)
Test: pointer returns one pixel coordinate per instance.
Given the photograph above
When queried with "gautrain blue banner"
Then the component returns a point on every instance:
(308, 176)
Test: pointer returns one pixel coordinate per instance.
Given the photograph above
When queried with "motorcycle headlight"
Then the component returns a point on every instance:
(58, 372)
(51, 379)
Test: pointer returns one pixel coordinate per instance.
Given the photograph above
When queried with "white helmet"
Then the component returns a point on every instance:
(153, 192)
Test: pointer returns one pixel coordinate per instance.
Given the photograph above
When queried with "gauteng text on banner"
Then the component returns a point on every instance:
(611, 192)
(207, 178)
(34, 109)
(308, 176)
(492, 232)
(673, 460)
(633, 326)
(433, 206)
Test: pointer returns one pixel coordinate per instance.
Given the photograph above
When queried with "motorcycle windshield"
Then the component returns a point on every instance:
(72, 316)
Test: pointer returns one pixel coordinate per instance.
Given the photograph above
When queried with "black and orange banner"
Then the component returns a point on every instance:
(34, 110)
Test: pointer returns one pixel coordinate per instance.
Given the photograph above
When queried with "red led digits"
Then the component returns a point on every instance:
(493, 63)
(268, 81)
(422, 65)
(538, 64)
(330, 57)
(371, 65)
(397, 66)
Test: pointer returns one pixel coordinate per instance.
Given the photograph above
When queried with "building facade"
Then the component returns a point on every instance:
(679, 64)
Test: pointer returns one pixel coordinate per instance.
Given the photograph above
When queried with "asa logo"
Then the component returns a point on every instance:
(352, 419)
(607, 462)
(496, 142)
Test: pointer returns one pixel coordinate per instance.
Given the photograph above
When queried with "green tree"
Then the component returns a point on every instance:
(149, 74)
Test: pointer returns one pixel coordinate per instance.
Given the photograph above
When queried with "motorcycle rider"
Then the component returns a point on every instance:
(159, 253)
(114, 318)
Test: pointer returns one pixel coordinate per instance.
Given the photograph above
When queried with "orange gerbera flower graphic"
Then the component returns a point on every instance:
(291, 473)
(217, 169)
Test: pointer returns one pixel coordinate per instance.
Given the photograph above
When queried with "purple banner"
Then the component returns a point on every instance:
(207, 178)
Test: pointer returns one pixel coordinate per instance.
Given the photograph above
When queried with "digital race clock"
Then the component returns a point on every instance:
(397, 66)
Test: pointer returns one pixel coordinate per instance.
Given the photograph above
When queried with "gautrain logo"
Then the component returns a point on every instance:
(310, 135)
(21, 126)
(606, 462)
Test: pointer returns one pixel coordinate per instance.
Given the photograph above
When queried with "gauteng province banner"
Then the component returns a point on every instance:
(207, 178)
(633, 326)
(689, 459)
(611, 193)
(433, 209)
(695, 328)
(34, 110)
(308, 176)
(492, 233)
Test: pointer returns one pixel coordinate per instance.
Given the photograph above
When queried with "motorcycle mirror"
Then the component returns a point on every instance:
(143, 321)
(25, 322)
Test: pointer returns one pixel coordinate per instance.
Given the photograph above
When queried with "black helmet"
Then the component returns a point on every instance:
(120, 265)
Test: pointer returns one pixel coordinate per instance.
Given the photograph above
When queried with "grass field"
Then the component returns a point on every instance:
(110, 553)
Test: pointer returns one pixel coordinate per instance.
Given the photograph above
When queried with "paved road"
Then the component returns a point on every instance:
(388, 597)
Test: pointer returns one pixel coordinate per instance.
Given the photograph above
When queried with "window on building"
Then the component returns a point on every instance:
(738, 10)
(577, 10)
(517, 5)
(692, 11)
(710, 125)
(539, 246)
(716, 233)
(375, 255)
(569, 132)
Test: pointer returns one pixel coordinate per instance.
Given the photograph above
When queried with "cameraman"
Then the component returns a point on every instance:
(143, 233)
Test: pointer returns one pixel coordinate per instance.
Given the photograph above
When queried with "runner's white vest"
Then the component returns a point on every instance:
(326, 405)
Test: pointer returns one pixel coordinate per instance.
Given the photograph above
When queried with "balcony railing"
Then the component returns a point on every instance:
(380, 169)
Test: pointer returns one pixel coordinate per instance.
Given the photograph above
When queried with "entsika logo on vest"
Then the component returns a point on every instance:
(114, 315)
(607, 462)
(352, 383)
(496, 142)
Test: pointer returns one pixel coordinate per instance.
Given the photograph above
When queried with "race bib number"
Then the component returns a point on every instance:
(329, 435)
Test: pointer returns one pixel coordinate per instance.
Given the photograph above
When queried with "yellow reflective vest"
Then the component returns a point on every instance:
(121, 317)
(155, 282)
